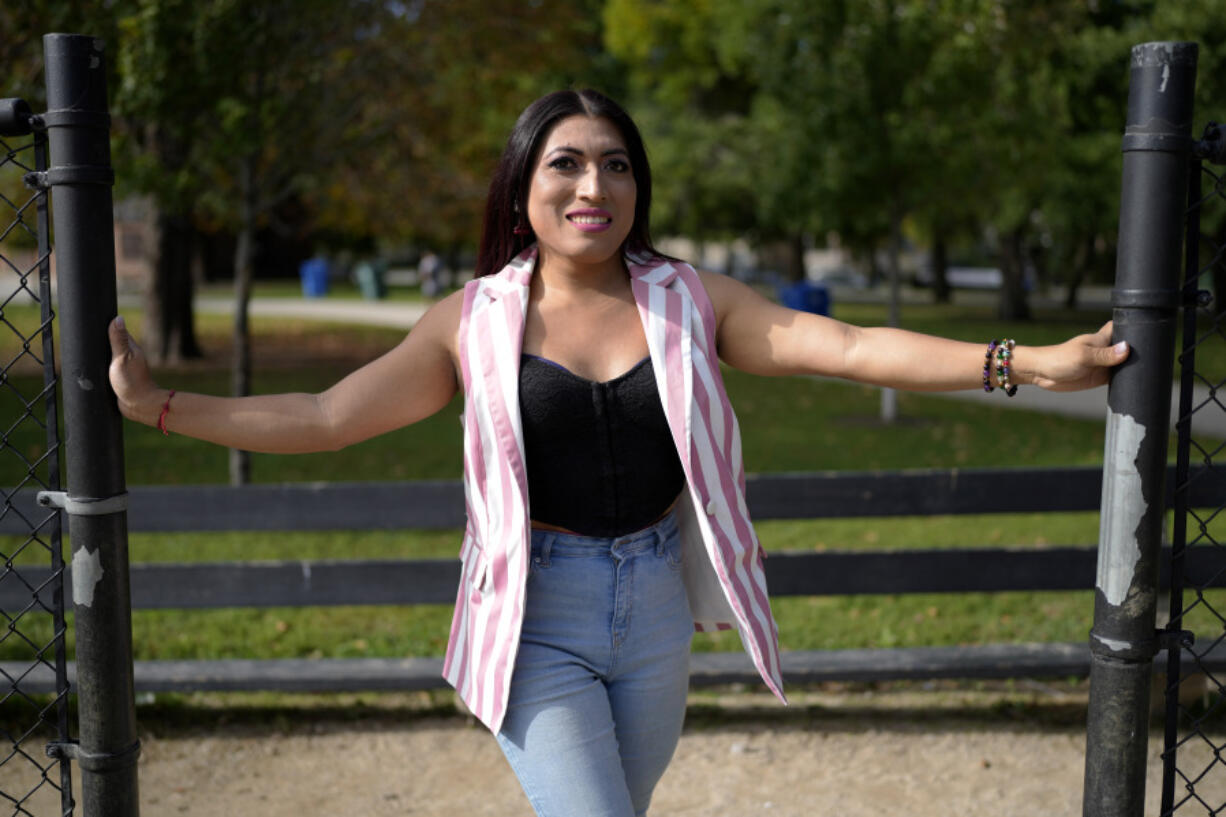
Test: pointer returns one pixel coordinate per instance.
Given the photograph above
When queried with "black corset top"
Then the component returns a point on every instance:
(600, 457)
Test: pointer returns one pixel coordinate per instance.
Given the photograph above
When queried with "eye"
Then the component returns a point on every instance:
(618, 165)
(562, 163)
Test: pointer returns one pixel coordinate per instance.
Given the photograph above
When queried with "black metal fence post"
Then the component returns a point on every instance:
(80, 177)
(1156, 145)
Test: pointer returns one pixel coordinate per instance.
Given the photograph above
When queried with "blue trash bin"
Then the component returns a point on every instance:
(314, 274)
(806, 296)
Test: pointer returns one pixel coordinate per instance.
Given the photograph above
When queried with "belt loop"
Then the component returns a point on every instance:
(547, 540)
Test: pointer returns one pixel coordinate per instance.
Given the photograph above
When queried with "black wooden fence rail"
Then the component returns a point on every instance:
(439, 504)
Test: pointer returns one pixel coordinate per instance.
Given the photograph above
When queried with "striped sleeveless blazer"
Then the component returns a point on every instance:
(722, 557)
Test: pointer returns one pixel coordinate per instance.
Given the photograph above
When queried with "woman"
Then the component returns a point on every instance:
(603, 476)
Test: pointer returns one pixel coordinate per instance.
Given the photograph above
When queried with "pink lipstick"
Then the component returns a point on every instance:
(590, 220)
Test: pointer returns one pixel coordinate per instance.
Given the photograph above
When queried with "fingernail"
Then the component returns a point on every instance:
(119, 322)
(1121, 347)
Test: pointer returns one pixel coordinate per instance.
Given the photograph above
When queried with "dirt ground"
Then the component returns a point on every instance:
(843, 752)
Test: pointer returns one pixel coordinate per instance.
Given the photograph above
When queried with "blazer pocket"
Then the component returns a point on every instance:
(475, 568)
(480, 580)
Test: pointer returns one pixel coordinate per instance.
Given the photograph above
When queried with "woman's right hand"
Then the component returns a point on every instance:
(130, 376)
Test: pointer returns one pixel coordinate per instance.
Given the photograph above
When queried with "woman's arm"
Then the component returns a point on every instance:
(758, 336)
(409, 383)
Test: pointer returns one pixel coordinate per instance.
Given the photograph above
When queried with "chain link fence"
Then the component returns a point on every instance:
(1194, 756)
(33, 637)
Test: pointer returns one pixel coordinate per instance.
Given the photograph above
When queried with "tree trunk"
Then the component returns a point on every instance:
(452, 273)
(889, 397)
(874, 269)
(244, 256)
(1038, 257)
(941, 291)
(1082, 262)
(170, 329)
(796, 258)
(1014, 305)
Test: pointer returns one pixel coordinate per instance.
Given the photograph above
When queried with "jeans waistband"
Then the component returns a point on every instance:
(652, 536)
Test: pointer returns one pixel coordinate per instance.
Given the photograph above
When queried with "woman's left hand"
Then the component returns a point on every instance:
(1082, 362)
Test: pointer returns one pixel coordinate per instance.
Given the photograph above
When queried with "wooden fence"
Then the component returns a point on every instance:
(424, 505)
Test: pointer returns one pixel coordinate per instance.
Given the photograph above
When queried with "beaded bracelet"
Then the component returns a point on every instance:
(1004, 354)
(1002, 351)
(165, 411)
(987, 366)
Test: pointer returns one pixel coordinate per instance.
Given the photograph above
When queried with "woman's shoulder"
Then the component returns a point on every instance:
(721, 286)
(442, 319)
(727, 294)
(450, 305)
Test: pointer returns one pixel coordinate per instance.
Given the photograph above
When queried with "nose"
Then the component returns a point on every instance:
(591, 185)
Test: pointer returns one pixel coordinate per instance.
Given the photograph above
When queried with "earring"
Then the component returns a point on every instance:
(521, 228)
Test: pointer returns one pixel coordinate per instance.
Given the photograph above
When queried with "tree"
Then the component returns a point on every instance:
(24, 22)
(160, 116)
(1203, 23)
(837, 95)
(239, 106)
(231, 107)
(278, 78)
(461, 72)
(1081, 203)
(693, 101)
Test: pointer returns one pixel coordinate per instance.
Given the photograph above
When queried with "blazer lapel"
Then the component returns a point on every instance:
(501, 331)
(666, 322)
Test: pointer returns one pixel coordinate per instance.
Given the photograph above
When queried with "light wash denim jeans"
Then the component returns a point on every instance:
(598, 695)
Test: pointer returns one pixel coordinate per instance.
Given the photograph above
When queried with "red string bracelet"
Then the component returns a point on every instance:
(165, 411)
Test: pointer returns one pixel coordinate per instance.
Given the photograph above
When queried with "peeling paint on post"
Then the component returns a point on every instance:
(1122, 508)
(1157, 147)
(86, 573)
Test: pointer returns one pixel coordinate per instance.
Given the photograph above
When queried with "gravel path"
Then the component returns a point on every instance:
(844, 753)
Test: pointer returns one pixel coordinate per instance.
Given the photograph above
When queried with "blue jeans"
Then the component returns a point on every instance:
(598, 694)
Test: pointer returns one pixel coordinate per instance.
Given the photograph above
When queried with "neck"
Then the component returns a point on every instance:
(567, 276)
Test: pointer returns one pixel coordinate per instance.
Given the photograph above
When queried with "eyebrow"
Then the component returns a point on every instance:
(577, 152)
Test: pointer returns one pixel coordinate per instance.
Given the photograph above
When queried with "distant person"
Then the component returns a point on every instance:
(602, 460)
(369, 275)
(430, 274)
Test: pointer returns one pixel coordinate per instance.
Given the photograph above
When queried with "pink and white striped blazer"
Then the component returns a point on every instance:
(722, 557)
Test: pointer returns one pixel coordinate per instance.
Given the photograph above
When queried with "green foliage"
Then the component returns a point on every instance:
(204, 84)
(384, 119)
(22, 26)
(435, 117)
(968, 119)
(1203, 23)
(765, 118)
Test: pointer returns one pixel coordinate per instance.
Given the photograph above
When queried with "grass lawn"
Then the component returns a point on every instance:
(794, 424)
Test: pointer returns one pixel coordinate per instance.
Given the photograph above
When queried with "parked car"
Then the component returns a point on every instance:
(969, 277)
(840, 276)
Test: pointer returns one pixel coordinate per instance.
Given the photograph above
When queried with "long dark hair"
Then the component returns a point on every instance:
(507, 203)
